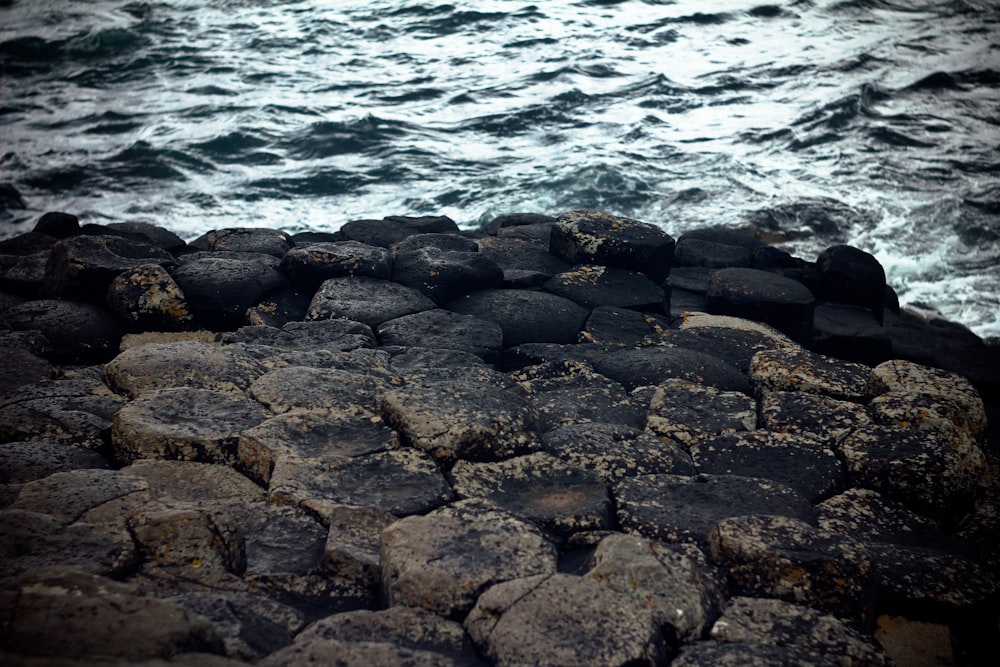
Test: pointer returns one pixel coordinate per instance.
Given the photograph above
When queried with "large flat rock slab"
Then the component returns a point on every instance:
(446, 330)
(525, 316)
(652, 365)
(367, 300)
(615, 451)
(592, 237)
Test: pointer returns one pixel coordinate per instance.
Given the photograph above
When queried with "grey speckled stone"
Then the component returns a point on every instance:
(741, 654)
(352, 542)
(676, 581)
(444, 560)
(22, 462)
(593, 237)
(69, 496)
(801, 370)
(366, 300)
(560, 619)
(614, 451)
(785, 558)
(539, 488)
(652, 365)
(811, 417)
(684, 411)
(445, 330)
(338, 392)
(782, 624)
(869, 516)
(320, 651)
(461, 420)
(185, 424)
(673, 508)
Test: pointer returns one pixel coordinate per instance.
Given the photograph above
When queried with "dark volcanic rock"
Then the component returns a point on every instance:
(851, 333)
(444, 560)
(444, 329)
(732, 339)
(219, 290)
(322, 335)
(672, 508)
(609, 325)
(331, 390)
(798, 463)
(272, 242)
(146, 298)
(801, 370)
(785, 304)
(683, 411)
(515, 220)
(308, 266)
(444, 275)
(58, 225)
(450, 242)
(366, 300)
(22, 262)
(522, 260)
(461, 420)
(560, 619)
(711, 254)
(20, 366)
(615, 451)
(394, 229)
(538, 488)
(783, 557)
(149, 233)
(84, 266)
(280, 308)
(593, 286)
(184, 424)
(591, 237)
(652, 365)
(525, 316)
(852, 276)
(77, 332)
(22, 462)
(811, 417)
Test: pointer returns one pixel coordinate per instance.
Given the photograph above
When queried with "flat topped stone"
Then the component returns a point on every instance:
(245, 239)
(615, 326)
(592, 237)
(368, 300)
(684, 411)
(190, 364)
(592, 286)
(220, 290)
(560, 619)
(461, 420)
(616, 451)
(309, 265)
(674, 508)
(445, 275)
(868, 516)
(785, 304)
(446, 330)
(811, 417)
(539, 488)
(650, 366)
(394, 229)
(77, 332)
(331, 390)
(444, 560)
(525, 316)
(336, 335)
(22, 462)
(802, 370)
(84, 266)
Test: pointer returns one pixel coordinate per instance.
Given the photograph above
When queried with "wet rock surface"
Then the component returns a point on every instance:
(402, 444)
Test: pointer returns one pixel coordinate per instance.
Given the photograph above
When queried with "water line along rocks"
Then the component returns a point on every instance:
(567, 441)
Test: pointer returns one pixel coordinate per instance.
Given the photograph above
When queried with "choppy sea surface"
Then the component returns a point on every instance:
(870, 122)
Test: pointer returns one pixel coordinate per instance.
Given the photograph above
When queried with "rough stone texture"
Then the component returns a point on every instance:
(812, 471)
(444, 329)
(205, 540)
(869, 516)
(525, 316)
(333, 335)
(148, 232)
(539, 488)
(67, 614)
(366, 300)
(77, 332)
(851, 333)
(785, 304)
(314, 650)
(785, 558)
(404, 627)
(84, 266)
(571, 392)
(22, 462)
(444, 560)
(184, 424)
(20, 367)
(339, 392)
(562, 619)
(712, 254)
(684, 411)
(948, 394)
(622, 327)
(592, 237)
(673, 508)
(189, 364)
(219, 290)
(782, 624)
(22, 263)
(280, 308)
(801, 370)
(316, 436)
(309, 265)
(652, 365)
(915, 643)
(741, 654)
(615, 451)
(398, 482)
(272, 242)
(461, 420)
(927, 471)
(813, 417)
(595, 286)
(353, 541)
(73, 496)
(445, 275)
(146, 298)
(522, 259)
(676, 581)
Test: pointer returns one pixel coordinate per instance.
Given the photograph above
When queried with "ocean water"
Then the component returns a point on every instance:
(870, 122)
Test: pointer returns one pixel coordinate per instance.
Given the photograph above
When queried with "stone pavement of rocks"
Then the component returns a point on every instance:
(404, 444)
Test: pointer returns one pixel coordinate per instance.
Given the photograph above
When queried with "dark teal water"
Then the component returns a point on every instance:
(870, 122)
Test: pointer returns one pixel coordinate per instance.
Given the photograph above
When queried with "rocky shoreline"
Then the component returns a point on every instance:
(570, 441)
